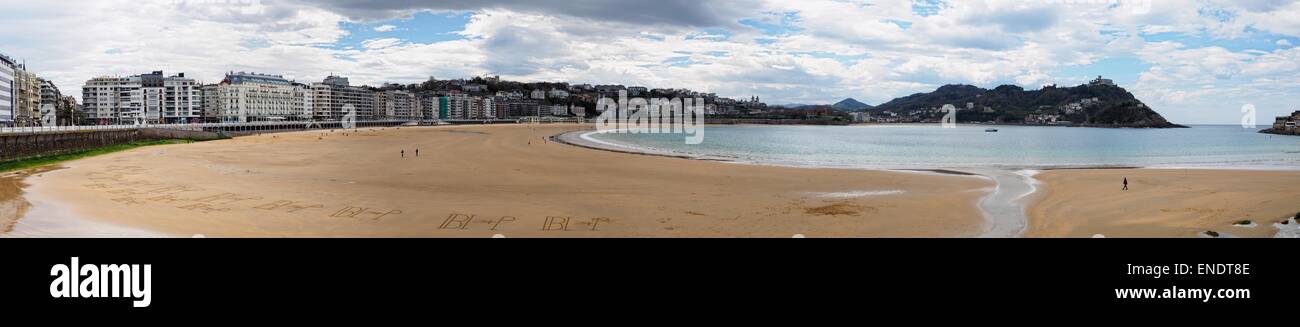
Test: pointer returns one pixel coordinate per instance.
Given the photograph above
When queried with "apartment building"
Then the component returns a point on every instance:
(147, 98)
(396, 104)
(7, 95)
(335, 95)
(51, 103)
(27, 97)
(251, 97)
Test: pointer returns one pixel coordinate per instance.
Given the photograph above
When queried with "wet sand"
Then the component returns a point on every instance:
(478, 181)
(1162, 202)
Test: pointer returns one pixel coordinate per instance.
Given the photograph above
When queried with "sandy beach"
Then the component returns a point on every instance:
(479, 181)
(1162, 202)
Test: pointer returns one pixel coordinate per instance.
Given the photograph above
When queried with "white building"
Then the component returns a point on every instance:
(7, 96)
(539, 95)
(558, 93)
(1102, 81)
(464, 106)
(511, 94)
(147, 98)
(248, 97)
(559, 110)
(458, 105)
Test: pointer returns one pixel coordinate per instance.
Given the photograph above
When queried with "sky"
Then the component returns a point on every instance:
(1194, 61)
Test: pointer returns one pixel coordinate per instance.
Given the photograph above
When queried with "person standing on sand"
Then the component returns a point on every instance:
(1126, 183)
(417, 152)
(403, 153)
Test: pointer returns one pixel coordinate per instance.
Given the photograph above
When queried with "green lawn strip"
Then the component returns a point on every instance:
(47, 160)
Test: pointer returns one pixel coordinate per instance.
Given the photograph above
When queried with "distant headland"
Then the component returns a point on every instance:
(1099, 103)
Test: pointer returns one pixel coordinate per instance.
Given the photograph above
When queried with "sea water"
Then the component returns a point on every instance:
(971, 146)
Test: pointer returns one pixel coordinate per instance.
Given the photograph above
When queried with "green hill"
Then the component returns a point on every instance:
(1092, 105)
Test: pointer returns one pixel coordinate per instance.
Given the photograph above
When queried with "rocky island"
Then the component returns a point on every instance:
(1285, 125)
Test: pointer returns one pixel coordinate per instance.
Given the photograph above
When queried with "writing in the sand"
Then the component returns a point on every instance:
(465, 222)
(115, 180)
(119, 182)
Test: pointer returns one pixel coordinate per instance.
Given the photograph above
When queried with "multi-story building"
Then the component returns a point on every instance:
(559, 110)
(558, 93)
(27, 95)
(524, 108)
(70, 112)
(211, 112)
(396, 104)
(516, 94)
(333, 96)
(147, 98)
(501, 107)
(51, 103)
(8, 98)
(249, 97)
(464, 106)
(428, 104)
(458, 106)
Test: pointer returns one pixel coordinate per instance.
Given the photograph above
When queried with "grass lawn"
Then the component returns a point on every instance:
(48, 160)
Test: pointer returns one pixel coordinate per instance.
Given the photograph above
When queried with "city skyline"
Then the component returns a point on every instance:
(1196, 63)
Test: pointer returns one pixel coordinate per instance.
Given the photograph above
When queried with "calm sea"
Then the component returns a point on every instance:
(929, 146)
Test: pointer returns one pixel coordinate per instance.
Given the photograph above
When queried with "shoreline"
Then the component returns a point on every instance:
(1024, 189)
(1005, 216)
(44, 217)
(779, 199)
(495, 179)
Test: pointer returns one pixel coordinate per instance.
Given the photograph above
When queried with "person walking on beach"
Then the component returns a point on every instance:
(1126, 183)
(417, 152)
(403, 153)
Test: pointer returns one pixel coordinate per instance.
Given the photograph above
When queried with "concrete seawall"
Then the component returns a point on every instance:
(20, 146)
(165, 134)
(31, 145)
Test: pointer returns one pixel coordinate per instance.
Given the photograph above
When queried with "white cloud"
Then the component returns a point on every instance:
(820, 51)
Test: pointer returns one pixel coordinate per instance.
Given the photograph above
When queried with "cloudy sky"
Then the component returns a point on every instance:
(1195, 61)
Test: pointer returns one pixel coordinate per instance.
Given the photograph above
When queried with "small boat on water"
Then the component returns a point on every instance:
(991, 130)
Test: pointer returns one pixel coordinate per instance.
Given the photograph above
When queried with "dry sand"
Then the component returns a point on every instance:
(478, 181)
(1162, 202)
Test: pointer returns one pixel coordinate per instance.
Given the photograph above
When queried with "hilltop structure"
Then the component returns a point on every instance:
(1285, 125)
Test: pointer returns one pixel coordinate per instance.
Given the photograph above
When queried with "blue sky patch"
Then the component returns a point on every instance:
(1123, 70)
(423, 28)
(785, 24)
(926, 8)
